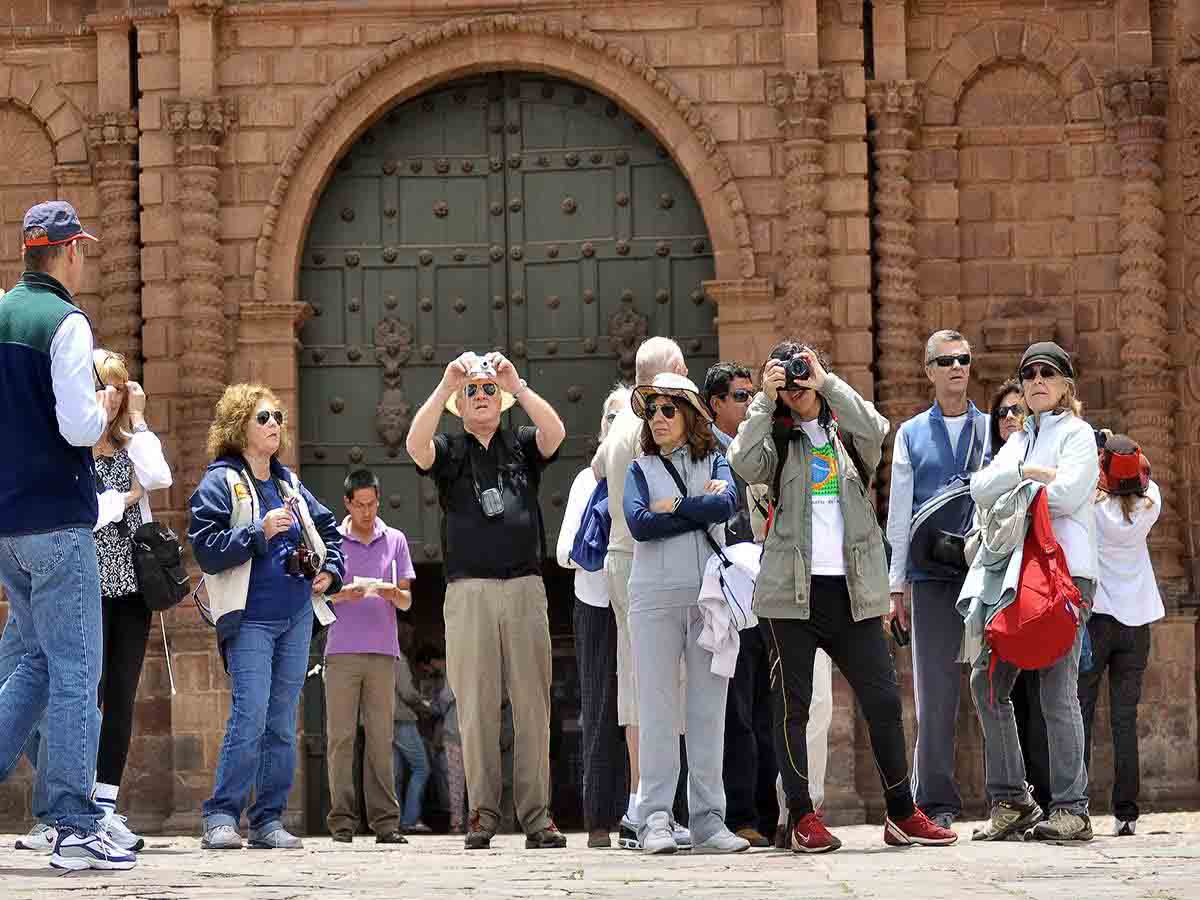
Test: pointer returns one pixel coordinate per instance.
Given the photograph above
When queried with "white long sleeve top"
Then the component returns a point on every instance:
(152, 472)
(590, 587)
(81, 419)
(1127, 590)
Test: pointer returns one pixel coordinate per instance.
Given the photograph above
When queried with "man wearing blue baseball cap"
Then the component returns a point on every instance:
(51, 414)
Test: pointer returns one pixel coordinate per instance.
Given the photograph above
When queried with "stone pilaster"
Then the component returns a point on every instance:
(894, 107)
(199, 126)
(1137, 101)
(113, 139)
(802, 100)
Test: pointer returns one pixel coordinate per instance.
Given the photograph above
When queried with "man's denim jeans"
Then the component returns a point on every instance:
(409, 749)
(53, 586)
(1059, 689)
(267, 665)
(12, 648)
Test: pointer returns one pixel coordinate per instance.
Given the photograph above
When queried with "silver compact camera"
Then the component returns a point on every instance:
(485, 369)
(492, 503)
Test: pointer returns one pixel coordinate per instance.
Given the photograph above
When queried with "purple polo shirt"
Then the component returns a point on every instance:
(369, 625)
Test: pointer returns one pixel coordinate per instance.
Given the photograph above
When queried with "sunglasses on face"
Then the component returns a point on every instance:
(1016, 410)
(945, 362)
(487, 387)
(738, 396)
(652, 409)
(1029, 373)
(266, 415)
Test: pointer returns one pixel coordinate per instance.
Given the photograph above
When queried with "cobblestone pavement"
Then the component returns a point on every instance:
(1161, 863)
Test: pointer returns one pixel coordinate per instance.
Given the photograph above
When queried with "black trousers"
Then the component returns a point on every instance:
(860, 651)
(749, 767)
(1031, 729)
(1123, 650)
(126, 630)
(603, 748)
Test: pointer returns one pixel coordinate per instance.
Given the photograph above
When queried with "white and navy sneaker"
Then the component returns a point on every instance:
(119, 831)
(75, 850)
(40, 839)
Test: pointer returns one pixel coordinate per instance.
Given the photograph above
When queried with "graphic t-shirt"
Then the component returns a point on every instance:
(828, 529)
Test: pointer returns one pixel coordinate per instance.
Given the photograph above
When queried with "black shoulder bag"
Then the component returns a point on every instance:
(157, 563)
(683, 492)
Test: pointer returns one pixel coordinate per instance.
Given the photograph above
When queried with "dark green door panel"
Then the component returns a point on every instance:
(512, 212)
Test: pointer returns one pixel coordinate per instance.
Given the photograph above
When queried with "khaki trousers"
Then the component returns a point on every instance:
(498, 636)
(363, 682)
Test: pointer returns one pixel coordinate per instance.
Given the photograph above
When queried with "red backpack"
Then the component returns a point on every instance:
(1040, 625)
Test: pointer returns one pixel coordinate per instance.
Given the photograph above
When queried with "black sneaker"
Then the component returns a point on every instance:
(478, 837)
(549, 838)
(391, 837)
(1009, 817)
(627, 837)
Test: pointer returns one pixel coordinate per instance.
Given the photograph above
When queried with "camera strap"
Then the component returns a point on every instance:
(475, 477)
(283, 498)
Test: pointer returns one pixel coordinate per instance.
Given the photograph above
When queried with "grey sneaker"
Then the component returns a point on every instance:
(221, 837)
(1123, 828)
(724, 841)
(683, 836)
(1063, 826)
(279, 839)
(657, 837)
(1009, 817)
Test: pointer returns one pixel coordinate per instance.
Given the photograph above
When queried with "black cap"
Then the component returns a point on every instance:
(1048, 352)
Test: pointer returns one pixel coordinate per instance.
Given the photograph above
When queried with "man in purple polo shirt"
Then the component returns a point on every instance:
(360, 664)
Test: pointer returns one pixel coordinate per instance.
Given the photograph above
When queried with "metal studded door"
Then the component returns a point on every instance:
(511, 211)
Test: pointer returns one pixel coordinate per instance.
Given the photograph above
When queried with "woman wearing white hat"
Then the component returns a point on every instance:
(675, 492)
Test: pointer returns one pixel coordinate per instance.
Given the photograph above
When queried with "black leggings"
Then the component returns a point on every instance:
(126, 630)
(860, 651)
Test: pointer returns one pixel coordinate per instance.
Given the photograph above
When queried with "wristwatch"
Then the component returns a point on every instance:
(140, 427)
(519, 391)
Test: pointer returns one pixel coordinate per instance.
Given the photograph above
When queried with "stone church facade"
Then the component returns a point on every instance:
(855, 172)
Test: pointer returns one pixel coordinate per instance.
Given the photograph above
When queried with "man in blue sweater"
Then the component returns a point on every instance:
(51, 414)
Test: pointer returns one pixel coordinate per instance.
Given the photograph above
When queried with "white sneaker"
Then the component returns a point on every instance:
(1123, 828)
(40, 839)
(724, 841)
(683, 837)
(119, 832)
(658, 837)
(73, 850)
(627, 836)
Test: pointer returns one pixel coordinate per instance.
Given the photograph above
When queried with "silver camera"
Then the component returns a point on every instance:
(492, 503)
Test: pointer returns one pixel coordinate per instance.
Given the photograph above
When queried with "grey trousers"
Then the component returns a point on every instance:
(937, 633)
(1059, 690)
(660, 638)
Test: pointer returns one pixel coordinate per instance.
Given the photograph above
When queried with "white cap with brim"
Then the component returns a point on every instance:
(668, 384)
(479, 375)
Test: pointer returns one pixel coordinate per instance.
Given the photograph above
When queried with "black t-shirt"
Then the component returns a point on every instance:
(476, 546)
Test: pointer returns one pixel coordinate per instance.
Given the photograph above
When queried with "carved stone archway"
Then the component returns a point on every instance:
(50, 106)
(412, 65)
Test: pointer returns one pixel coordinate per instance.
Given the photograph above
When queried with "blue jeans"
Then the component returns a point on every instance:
(267, 664)
(409, 749)
(53, 585)
(12, 648)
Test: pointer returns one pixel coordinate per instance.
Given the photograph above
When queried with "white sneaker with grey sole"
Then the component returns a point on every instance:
(40, 839)
(724, 841)
(73, 850)
(683, 837)
(279, 839)
(658, 836)
(119, 831)
(221, 837)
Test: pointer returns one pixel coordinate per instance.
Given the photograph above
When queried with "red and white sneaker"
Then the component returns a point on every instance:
(916, 829)
(810, 835)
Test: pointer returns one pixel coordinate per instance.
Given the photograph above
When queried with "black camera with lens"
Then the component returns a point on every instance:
(303, 563)
(797, 370)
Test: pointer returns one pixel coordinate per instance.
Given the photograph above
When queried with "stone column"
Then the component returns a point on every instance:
(1137, 100)
(802, 100)
(199, 126)
(900, 377)
(113, 139)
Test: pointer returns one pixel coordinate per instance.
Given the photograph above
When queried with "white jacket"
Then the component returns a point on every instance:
(1068, 444)
(726, 597)
(1127, 590)
(152, 473)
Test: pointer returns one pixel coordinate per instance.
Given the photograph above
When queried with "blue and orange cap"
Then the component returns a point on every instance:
(58, 223)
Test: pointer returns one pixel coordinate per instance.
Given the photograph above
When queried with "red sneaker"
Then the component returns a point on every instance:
(916, 829)
(810, 835)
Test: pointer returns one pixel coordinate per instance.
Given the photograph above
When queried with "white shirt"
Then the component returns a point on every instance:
(620, 448)
(1127, 590)
(590, 587)
(152, 472)
(81, 420)
(900, 501)
(828, 526)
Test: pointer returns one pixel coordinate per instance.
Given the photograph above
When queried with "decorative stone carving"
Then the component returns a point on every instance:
(1137, 100)
(1012, 95)
(802, 100)
(1189, 149)
(113, 139)
(894, 107)
(627, 328)
(393, 415)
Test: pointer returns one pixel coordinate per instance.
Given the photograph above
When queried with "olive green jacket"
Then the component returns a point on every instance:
(784, 583)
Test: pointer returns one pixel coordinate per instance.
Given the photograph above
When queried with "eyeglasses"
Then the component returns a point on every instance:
(945, 362)
(265, 415)
(487, 387)
(1016, 410)
(1029, 373)
(652, 409)
(739, 396)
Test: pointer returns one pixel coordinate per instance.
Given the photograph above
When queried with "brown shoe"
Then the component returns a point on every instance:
(751, 835)
(599, 839)
(549, 838)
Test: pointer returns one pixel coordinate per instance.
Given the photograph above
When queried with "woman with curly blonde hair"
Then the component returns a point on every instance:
(270, 553)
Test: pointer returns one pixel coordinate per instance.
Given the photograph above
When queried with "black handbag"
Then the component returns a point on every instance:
(158, 564)
(939, 530)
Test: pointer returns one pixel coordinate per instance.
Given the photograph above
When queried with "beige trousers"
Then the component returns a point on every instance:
(498, 636)
(363, 682)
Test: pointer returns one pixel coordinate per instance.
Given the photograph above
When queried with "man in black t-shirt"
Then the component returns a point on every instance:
(497, 626)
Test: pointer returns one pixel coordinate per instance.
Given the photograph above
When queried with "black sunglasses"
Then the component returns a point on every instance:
(488, 388)
(1046, 372)
(265, 415)
(1016, 410)
(653, 409)
(945, 362)
(738, 396)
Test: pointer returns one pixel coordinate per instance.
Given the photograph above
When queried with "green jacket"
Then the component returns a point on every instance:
(784, 583)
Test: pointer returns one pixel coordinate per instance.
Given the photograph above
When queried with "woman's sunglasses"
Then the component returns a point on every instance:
(487, 387)
(652, 409)
(1029, 373)
(265, 415)
(738, 396)
(945, 362)
(1016, 410)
